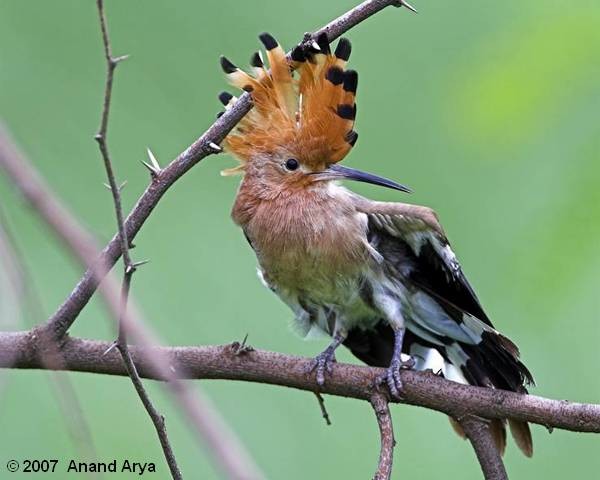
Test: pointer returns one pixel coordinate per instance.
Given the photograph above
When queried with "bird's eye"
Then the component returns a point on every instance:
(291, 164)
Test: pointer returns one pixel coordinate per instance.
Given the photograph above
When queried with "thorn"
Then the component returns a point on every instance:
(120, 188)
(140, 263)
(153, 166)
(153, 160)
(120, 59)
(404, 3)
(214, 148)
(153, 172)
(242, 348)
(129, 269)
(110, 348)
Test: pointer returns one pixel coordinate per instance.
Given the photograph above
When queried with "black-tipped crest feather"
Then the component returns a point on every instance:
(335, 75)
(256, 61)
(352, 137)
(323, 43)
(225, 97)
(298, 54)
(268, 41)
(343, 49)
(347, 112)
(226, 65)
(350, 81)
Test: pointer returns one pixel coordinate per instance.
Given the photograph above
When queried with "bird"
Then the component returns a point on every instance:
(378, 277)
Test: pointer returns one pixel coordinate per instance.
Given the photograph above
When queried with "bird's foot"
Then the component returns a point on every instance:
(322, 364)
(391, 377)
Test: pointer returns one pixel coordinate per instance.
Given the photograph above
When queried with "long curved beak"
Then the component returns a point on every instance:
(338, 172)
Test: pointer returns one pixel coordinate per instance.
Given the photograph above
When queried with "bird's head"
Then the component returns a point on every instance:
(302, 122)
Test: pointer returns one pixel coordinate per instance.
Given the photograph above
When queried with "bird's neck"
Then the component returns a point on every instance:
(292, 226)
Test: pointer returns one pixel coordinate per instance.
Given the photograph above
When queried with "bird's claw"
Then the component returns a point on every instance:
(322, 364)
(392, 375)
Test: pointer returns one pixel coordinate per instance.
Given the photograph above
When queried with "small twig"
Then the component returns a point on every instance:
(157, 419)
(324, 411)
(478, 432)
(111, 65)
(386, 431)
(129, 267)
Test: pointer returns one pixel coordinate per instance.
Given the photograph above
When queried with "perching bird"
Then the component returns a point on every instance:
(379, 278)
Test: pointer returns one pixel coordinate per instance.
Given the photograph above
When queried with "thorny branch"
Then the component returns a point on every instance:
(468, 403)
(111, 65)
(129, 267)
(424, 389)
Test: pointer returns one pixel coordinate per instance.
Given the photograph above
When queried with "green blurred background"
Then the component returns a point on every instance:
(488, 110)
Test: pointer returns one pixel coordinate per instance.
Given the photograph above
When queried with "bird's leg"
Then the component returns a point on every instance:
(324, 360)
(392, 375)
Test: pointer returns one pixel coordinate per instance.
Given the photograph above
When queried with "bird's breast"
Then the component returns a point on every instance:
(314, 243)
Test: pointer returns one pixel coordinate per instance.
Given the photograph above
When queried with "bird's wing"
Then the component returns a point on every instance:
(446, 309)
(435, 268)
(410, 238)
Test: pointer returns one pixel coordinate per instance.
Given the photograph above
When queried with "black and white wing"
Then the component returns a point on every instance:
(430, 268)
(447, 317)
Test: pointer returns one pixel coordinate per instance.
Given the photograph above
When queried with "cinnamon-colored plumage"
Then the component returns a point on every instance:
(380, 278)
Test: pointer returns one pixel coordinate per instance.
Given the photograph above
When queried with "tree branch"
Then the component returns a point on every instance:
(423, 389)
(111, 65)
(163, 179)
(129, 269)
(478, 432)
(386, 431)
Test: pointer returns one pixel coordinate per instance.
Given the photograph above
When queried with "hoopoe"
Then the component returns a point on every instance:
(379, 278)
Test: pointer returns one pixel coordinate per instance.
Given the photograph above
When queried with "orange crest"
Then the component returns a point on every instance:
(303, 107)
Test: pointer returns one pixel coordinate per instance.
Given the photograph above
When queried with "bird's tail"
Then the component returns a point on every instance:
(492, 363)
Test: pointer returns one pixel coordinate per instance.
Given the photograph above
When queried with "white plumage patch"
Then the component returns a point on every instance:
(427, 358)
